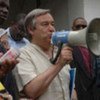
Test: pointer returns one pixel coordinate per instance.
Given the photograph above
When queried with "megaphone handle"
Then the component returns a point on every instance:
(58, 53)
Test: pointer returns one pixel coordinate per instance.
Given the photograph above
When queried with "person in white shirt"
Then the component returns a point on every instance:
(37, 78)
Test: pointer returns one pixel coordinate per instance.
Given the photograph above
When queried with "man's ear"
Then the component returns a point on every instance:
(30, 29)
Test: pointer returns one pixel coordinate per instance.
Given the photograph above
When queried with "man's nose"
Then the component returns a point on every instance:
(51, 28)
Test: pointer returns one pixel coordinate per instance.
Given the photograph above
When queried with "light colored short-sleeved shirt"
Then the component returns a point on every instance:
(34, 61)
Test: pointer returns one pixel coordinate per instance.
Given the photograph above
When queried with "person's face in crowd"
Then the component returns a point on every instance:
(79, 24)
(4, 10)
(43, 30)
(17, 32)
(4, 41)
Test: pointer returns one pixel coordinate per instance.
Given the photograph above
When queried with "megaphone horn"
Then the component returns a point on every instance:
(88, 37)
(93, 36)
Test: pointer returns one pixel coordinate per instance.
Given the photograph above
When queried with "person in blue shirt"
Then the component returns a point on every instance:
(16, 33)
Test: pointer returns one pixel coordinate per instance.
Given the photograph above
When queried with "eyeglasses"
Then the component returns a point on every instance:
(80, 26)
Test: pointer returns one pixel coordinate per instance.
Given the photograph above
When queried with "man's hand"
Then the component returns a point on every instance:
(65, 56)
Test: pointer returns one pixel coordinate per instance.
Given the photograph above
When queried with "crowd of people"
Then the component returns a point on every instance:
(32, 76)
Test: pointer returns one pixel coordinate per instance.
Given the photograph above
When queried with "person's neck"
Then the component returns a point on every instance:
(46, 49)
(48, 52)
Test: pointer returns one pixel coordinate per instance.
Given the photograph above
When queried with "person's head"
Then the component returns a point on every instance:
(17, 30)
(4, 10)
(4, 39)
(39, 25)
(79, 23)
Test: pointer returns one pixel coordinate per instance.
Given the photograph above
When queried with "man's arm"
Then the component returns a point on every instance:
(38, 85)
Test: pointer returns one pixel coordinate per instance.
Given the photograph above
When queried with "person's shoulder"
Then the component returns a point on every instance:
(27, 48)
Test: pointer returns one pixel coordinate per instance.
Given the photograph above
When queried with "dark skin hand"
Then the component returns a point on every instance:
(7, 66)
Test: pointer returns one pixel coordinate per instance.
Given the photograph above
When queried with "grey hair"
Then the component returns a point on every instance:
(30, 19)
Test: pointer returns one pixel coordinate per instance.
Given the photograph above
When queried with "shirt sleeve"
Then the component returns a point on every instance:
(24, 71)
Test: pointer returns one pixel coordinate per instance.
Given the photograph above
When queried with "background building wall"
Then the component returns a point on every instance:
(75, 9)
(64, 11)
(59, 10)
(91, 9)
